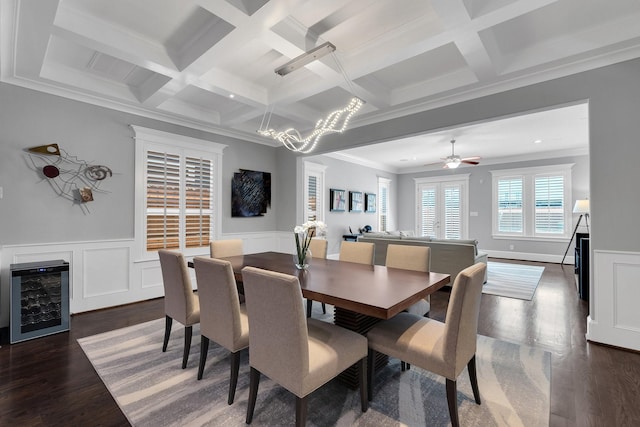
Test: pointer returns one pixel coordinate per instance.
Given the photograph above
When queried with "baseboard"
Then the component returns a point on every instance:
(528, 256)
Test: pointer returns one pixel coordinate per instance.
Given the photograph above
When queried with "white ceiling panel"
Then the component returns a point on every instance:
(183, 59)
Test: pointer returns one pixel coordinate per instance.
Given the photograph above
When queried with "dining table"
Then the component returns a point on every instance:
(361, 294)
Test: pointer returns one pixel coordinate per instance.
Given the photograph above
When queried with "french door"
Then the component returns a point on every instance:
(442, 207)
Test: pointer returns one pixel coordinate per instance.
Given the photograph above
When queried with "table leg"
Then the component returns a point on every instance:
(361, 324)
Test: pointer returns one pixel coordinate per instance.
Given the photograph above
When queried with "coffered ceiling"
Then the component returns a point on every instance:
(209, 64)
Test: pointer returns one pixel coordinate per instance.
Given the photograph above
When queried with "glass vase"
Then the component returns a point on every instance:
(304, 263)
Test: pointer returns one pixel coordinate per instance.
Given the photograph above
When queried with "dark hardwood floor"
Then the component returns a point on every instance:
(49, 381)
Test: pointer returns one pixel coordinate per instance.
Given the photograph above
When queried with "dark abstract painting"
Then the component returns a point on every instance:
(250, 193)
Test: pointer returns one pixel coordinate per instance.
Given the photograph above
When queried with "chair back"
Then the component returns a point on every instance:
(407, 257)
(179, 300)
(278, 336)
(225, 248)
(461, 322)
(318, 248)
(219, 302)
(359, 252)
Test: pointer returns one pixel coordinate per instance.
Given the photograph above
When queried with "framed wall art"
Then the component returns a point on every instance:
(355, 201)
(250, 193)
(369, 202)
(337, 200)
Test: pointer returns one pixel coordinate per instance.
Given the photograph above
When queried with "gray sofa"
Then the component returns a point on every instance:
(447, 256)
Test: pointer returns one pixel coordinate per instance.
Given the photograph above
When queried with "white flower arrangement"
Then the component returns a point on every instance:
(303, 234)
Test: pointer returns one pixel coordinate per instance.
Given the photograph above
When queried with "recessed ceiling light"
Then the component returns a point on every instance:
(537, 141)
(231, 95)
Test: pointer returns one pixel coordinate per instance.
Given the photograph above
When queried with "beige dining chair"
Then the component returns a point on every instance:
(222, 318)
(442, 348)
(318, 248)
(298, 353)
(359, 252)
(225, 248)
(416, 258)
(180, 303)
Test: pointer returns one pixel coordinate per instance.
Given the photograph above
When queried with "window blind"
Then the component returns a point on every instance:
(549, 204)
(452, 216)
(179, 202)
(428, 212)
(510, 202)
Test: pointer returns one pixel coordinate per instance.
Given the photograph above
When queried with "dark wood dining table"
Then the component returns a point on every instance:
(361, 294)
(371, 290)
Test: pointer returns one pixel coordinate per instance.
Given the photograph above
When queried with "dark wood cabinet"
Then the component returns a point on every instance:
(582, 264)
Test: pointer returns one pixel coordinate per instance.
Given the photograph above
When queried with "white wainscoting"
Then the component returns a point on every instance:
(614, 317)
(104, 273)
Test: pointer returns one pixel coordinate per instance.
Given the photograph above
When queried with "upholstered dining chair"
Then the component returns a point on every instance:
(298, 353)
(180, 303)
(442, 348)
(225, 248)
(222, 318)
(359, 252)
(416, 258)
(318, 248)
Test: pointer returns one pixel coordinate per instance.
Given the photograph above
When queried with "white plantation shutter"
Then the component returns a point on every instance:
(312, 198)
(383, 204)
(510, 203)
(198, 204)
(442, 207)
(163, 201)
(313, 192)
(177, 182)
(532, 202)
(549, 204)
(452, 212)
(428, 212)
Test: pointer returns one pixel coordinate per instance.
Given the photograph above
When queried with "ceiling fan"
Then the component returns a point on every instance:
(453, 161)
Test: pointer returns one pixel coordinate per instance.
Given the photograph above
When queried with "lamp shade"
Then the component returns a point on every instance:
(581, 207)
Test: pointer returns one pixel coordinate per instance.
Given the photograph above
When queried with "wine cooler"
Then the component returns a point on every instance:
(39, 299)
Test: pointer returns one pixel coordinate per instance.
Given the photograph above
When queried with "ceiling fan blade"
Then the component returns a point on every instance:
(472, 158)
(470, 162)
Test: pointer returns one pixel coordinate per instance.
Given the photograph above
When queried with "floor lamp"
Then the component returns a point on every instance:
(581, 207)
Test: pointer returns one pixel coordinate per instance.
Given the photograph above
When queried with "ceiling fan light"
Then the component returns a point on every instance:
(452, 164)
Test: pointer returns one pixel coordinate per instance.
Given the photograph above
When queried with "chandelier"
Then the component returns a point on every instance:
(336, 122)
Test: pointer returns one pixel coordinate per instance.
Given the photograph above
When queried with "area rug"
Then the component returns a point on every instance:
(512, 280)
(152, 389)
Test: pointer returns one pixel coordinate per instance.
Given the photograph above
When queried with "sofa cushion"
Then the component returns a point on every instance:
(459, 241)
(381, 235)
(418, 239)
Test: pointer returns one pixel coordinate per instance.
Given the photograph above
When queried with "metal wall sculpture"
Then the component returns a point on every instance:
(250, 193)
(71, 178)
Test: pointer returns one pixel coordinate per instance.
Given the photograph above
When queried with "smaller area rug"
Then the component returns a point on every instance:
(512, 280)
(152, 389)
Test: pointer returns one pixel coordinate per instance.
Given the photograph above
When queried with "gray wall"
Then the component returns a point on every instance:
(480, 197)
(31, 212)
(613, 93)
(349, 177)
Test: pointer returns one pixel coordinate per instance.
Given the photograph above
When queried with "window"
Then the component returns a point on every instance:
(313, 192)
(177, 182)
(442, 207)
(383, 204)
(532, 202)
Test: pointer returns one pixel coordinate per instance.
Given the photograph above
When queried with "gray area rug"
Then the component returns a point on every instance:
(512, 280)
(152, 389)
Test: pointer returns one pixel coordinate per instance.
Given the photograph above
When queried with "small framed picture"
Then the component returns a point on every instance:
(355, 201)
(369, 202)
(337, 200)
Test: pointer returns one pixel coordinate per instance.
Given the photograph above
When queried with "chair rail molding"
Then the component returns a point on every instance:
(613, 312)
(106, 273)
